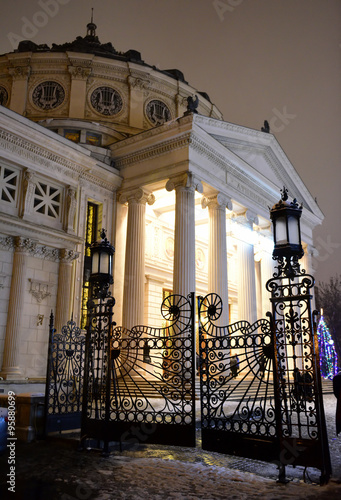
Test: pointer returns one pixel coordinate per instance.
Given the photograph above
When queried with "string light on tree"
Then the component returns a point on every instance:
(328, 356)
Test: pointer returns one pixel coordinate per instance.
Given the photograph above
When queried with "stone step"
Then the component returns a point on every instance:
(154, 388)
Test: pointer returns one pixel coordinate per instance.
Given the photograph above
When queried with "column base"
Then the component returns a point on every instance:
(11, 373)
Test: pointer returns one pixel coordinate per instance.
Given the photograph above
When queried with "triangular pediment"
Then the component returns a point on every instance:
(260, 156)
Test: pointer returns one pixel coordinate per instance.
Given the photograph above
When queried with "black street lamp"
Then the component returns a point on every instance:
(288, 248)
(102, 253)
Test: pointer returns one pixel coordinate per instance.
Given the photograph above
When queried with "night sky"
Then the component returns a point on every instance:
(257, 59)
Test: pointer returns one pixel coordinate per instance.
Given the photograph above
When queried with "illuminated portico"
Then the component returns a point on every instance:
(209, 227)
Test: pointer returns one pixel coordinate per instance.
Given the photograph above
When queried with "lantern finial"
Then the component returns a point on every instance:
(284, 192)
(288, 248)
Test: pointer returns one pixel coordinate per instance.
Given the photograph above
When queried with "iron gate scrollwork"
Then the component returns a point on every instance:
(302, 427)
(64, 378)
(140, 382)
(238, 410)
(273, 410)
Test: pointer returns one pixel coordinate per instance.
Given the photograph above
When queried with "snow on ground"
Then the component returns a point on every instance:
(159, 479)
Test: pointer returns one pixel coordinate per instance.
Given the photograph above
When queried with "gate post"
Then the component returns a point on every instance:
(302, 436)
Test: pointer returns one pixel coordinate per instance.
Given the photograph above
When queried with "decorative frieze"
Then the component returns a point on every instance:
(6, 243)
(30, 247)
(38, 155)
(153, 151)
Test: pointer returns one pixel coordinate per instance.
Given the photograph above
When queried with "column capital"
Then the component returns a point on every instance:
(20, 72)
(247, 218)
(186, 180)
(24, 245)
(79, 72)
(216, 200)
(67, 256)
(139, 195)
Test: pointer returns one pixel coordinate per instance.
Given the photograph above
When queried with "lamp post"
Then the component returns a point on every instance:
(97, 379)
(101, 278)
(288, 249)
(297, 379)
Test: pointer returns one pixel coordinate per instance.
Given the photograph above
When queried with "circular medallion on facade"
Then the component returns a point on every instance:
(157, 112)
(169, 247)
(106, 100)
(3, 96)
(48, 95)
(199, 258)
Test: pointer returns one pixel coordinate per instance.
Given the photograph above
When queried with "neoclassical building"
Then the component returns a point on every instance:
(91, 137)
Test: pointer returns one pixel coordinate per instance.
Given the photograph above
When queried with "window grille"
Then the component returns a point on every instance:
(8, 184)
(47, 200)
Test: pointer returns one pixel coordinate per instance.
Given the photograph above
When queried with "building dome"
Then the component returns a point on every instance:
(92, 94)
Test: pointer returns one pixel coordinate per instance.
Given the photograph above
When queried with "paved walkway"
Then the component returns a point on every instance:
(51, 470)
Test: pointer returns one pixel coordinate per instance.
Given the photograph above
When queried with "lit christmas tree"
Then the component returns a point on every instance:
(328, 356)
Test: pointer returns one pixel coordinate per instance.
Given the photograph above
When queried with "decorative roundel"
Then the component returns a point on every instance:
(106, 100)
(157, 112)
(48, 95)
(3, 96)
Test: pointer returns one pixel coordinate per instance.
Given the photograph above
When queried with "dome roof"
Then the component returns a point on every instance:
(93, 94)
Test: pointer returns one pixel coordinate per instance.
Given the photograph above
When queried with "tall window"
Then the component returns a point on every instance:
(93, 220)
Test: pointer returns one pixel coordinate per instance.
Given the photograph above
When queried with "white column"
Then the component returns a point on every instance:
(10, 366)
(119, 263)
(247, 302)
(217, 250)
(133, 289)
(64, 288)
(184, 236)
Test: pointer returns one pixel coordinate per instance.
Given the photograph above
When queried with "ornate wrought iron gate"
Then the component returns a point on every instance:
(139, 383)
(238, 415)
(64, 378)
(273, 410)
(302, 430)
